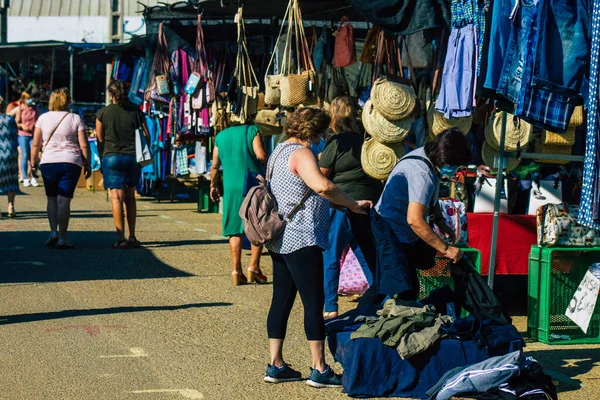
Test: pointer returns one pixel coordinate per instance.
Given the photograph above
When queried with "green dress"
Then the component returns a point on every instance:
(233, 149)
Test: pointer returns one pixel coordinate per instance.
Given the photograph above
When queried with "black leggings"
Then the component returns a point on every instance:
(300, 271)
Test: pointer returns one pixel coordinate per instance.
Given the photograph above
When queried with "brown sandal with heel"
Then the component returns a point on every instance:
(256, 276)
(238, 279)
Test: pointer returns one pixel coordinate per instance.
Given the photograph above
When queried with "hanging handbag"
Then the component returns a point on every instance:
(247, 90)
(370, 46)
(295, 87)
(269, 122)
(420, 48)
(547, 191)
(142, 149)
(339, 85)
(345, 49)
(159, 89)
(204, 94)
(455, 216)
(273, 82)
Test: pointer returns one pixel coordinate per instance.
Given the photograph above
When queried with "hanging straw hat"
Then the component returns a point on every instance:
(378, 159)
(577, 117)
(560, 139)
(381, 129)
(438, 123)
(393, 100)
(489, 155)
(517, 131)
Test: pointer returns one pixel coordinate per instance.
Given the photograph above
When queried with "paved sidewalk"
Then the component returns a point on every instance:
(163, 322)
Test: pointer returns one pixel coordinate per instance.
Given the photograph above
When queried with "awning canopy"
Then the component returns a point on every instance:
(253, 9)
(11, 52)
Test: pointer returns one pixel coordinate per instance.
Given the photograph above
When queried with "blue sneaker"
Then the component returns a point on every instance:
(327, 379)
(283, 374)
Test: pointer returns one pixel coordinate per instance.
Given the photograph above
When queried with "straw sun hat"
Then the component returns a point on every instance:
(489, 154)
(517, 131)
(383, 130)
(438, 123)
(393, 100)
(378, 159)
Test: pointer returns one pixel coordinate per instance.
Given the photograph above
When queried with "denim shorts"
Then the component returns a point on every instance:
(60, 179)
(120, 171)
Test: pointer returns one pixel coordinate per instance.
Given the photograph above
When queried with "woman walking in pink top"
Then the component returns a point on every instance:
(26, 117)
(65, 150)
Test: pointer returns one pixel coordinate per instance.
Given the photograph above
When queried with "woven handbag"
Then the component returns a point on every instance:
(247, 91)
(300, 87)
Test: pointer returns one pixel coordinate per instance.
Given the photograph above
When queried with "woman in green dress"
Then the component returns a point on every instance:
(236, 147)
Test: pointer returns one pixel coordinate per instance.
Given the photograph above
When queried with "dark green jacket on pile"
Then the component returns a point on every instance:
(409, 327)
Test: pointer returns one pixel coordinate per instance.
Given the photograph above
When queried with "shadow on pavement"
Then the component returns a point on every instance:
(565, 365)
(29, 215)
(19, 318)
(24, 258)
(179, 243)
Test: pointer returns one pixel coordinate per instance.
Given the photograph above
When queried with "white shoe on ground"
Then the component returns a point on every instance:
(26, 182)
(34, 182)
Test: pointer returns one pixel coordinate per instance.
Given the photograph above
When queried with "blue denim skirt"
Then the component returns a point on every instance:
(120, 171)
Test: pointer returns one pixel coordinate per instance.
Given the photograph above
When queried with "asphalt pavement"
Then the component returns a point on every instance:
(161, 322)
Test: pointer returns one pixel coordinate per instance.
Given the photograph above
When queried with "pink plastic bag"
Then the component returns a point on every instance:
(352, 278)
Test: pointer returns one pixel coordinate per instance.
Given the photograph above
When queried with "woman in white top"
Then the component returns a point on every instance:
(65, 151)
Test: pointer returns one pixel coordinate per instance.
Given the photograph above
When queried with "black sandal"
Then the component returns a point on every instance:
(121, 244)
(134, 243)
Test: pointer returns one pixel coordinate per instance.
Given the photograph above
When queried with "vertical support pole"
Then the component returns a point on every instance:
(52, 68)
(71, 72)
(4, 5)
(496, 218)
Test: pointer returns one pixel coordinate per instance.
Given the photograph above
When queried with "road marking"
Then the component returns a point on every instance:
(165, 217)
(200, 230)
(185, 393)
(36, 263)
(135, 352)
(92, 330)
(12, 248)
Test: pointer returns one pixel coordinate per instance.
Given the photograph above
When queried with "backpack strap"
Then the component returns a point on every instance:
(307, 194)
(430, 165)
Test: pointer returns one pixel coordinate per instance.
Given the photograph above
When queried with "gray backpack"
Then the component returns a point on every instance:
(259, 212)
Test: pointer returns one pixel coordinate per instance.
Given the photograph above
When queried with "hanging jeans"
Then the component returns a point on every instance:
(589, 212)
(557, 59)
(512, 72)
(340, 236)
(500, 32)
(457, 91)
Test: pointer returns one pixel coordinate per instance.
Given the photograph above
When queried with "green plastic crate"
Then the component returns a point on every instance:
(439, 276)
(554, 275)
(205, 204)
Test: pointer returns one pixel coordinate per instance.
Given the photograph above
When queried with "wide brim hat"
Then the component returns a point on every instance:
(577, 117)
(517, 132)
(378, 159)
(560, 139)
(393, 100)
(383, 130)
(438, 123)
(489, 155)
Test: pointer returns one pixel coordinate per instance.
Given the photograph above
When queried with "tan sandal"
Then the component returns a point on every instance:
(238, 279)
(256, 276)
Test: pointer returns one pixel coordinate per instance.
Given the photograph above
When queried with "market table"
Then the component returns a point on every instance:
(516, 235)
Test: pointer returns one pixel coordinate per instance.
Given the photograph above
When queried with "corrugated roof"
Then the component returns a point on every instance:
(76, 8)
